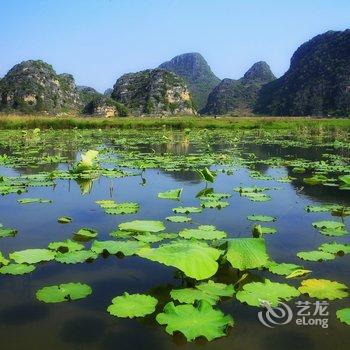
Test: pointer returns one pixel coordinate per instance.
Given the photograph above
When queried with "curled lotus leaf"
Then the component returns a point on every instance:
(259, 293)
(86, 232)
(191, 295)
(247, 253)
(195, 259)
(195, 322)
(32, 256)
(16, 269)
(142, 226)
(64, 219)
(208, 232)
(132, 305)
(63, 292)
(323, 289)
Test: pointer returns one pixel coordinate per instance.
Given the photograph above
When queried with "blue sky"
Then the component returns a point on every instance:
(99, 40)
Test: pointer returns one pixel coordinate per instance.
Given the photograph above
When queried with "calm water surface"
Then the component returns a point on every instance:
(26, 323)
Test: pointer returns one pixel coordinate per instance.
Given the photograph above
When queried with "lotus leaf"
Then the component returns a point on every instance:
(66, 246)
(344, 315)
(187, 210)
(335, 248)
(202, 232)
(256, 293)
(196, 259)
(64, 220)
(32, 256)
(16, 269)
(191, 295)
(86, 232)
(194, 322)
(178, 218)
(132, 305)
(323, 289)
(247, 253)
(142, 226)
(330, 228)
(33, 200)
(75, 257)
(262, 218)
(7, 232)
(114, 247)
(315, 255)
(219, 289)
(287, 269)
(206, 174)
(63, 292)
(171, 194)
(3, 260)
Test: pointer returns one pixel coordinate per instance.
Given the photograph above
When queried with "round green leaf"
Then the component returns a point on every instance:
(190, 295)
(16, 269)
(32, 256)
(256, 293)
(202, 232)
(344, 315)
(323, 289)
(132, 305)
(142, 226)
(63, 292)
(195, 322)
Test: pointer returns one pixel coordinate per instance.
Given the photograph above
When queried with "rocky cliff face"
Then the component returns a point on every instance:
(34, 86)
(317, 82)
(155, 91)
(239, 96)
(199, 78)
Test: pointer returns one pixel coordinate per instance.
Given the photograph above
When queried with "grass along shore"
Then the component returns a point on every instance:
(13, 122)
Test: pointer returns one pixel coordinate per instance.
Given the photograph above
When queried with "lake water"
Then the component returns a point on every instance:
(26, 323)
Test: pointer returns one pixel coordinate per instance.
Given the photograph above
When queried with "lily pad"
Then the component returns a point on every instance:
(142, 226)
(323, 289)
(32, 256)
(33, 200)
(191, 295)
(64, 220)
(315, 255)
(7, 232)
(63, 292)
(289, 270)
(206, 174)
(187, 210)
(66, 246)
(262, 218)
(219, 289)
(171, 194)
(247, 253)
(344, 315)
(330, 228)
(75, 257)
(3, 260)
(178, 218)
(335, 248)
(196, 259)
(132, 305)
(114, 247)
(16, 269)
(195, 322)
(86, 232)
(256, 293)
(208, 232)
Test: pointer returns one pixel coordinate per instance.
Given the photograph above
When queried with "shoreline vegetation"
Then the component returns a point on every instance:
(13, 122)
